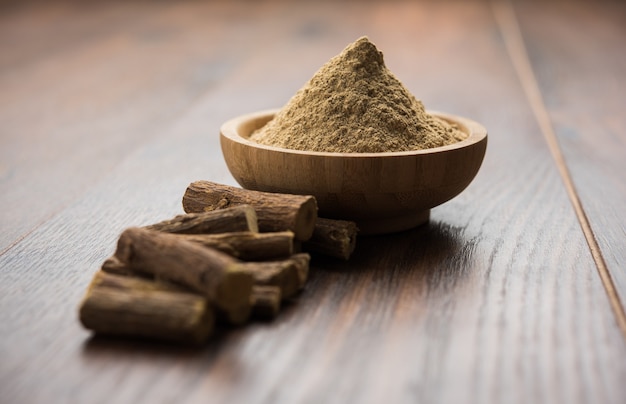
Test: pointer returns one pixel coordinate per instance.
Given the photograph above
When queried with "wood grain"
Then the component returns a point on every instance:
(581, 70)
(497, 300)
(61, 88)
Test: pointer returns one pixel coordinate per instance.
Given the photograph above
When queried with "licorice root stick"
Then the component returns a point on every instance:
(285, 274)
(276, 212)
(335, 238)
(129, 306)
(236, 218)
(216, 275)
(247, 246)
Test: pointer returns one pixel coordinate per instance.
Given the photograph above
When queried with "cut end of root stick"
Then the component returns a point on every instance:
(233, 295)
(265, 302)
(305, 219)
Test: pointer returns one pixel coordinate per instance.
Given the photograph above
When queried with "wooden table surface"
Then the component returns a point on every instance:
(513, 293)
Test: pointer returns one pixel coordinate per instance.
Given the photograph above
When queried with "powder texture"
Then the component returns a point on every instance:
(354, 104)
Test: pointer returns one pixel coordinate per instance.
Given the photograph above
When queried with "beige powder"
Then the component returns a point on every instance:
(354, 104)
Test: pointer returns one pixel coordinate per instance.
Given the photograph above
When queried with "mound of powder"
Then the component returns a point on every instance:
(354, 104)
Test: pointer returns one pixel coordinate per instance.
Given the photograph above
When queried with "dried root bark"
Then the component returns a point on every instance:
(236, 218)
(216, 275)
(127, 306)
(276, 212)
(247, 246)
(335, 238)
(286, 274)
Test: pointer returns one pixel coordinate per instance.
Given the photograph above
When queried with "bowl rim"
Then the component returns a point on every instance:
(476, 134)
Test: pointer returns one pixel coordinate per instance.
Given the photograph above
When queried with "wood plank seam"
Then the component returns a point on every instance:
(27, 233)
(512, 36)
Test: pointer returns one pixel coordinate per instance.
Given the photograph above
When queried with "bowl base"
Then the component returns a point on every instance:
(392, 224)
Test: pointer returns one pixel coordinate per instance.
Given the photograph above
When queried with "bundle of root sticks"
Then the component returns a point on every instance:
(234, 255)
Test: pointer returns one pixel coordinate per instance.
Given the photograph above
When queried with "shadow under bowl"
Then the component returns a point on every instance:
(382, 192)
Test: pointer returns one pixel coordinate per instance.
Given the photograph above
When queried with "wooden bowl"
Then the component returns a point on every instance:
(381, 192)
